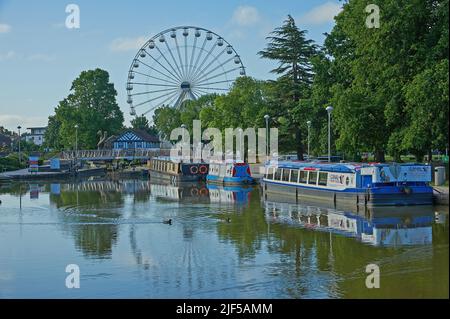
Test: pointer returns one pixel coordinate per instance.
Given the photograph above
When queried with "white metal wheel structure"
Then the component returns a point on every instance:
(180, 64)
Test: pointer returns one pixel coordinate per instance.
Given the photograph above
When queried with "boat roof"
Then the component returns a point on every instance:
(333, 167)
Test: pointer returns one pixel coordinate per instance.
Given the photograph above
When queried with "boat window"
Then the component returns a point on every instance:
(268, 173)
(286, 174)
(303, 176)
(323, 177)
(312, 179)
(294, 176)
(277, 174)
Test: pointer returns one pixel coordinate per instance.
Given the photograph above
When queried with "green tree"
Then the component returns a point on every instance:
(371, 70)
(92, 106)
(289, 46)
(166, 119)
(427, 111)
(140, 123)
(51, 137)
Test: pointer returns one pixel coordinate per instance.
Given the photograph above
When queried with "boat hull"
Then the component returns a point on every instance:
(174, 178)
(214, 179)
(392, 196)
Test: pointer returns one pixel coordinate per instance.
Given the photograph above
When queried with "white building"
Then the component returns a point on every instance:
(36, 135)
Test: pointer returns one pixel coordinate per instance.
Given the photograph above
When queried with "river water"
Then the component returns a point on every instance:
(222, 243)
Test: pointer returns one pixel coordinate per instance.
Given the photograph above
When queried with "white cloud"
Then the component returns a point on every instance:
(11, 121)
(41, 57)
(246, 16)
(127, 44)
(4, 28)
(324, 13)
(6, 56)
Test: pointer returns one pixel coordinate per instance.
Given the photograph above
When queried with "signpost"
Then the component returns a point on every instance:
(34, 164)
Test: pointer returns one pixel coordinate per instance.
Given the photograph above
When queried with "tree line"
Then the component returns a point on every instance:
(388, 86)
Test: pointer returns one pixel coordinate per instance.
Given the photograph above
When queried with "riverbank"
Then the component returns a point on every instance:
(25, 174)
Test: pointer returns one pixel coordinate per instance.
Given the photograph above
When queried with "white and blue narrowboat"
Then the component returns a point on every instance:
(164, 168)
(363, 184)
(229, 173)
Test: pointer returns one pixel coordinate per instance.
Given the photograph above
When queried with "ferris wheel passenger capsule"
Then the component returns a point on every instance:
(142, 54)
(132, 111)
(209, 36)
(219, 42)
(242, 71)
(229, 49)
(173, 34)
(197, 33)
(151, 44)
(131, 76)
(135, 64)
(237, 60)
(129, 100)
(185, 32)
(162, 38)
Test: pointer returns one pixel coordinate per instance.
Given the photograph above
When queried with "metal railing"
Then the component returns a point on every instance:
(113, 154)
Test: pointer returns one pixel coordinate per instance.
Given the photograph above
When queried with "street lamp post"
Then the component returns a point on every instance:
(309, 129)
(76, 138)
(20, 153)
(267, 117)
(329, 109)
(76, 145)
(241, 146)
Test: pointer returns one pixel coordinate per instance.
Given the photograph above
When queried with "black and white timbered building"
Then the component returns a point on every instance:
(132, 139)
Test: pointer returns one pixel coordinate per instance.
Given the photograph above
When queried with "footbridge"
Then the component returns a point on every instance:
(109, 155)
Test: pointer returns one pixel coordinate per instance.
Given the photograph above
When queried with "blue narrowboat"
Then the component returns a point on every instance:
(229, 173)
(364, 184)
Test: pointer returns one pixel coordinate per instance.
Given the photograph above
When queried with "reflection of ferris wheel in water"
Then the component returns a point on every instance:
(180, 64)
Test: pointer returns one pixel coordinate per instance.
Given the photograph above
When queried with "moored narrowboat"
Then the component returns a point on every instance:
(229, 173)
(163, 168)
(362, 184)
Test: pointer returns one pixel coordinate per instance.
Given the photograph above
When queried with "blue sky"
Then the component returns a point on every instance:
(40, 57)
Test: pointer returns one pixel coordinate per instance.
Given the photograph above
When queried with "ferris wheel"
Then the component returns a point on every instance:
(180, 64)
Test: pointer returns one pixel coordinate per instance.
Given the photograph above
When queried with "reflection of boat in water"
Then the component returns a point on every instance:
(194, 192)
(200, 192)
(229, 194)
(380, 226)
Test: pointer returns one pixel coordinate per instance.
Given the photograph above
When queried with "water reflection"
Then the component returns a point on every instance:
(224, 242)
(379, 226)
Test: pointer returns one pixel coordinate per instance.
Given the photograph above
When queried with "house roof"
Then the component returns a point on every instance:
(141, 134)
